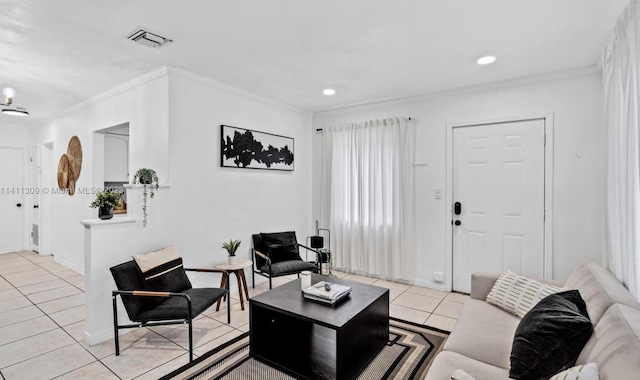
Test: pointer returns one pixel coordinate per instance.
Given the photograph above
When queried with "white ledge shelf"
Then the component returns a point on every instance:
(88, 223)
(139, 186)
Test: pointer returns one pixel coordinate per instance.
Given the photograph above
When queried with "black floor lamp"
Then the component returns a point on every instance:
(317, 242)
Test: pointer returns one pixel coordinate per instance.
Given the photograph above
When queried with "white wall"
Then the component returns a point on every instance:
(578, 192)
(175, 129)
(211, 204)
(13, 135)
(143, 103)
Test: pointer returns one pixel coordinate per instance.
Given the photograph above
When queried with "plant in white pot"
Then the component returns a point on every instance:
(149, 181)
(231, 247)
(105, 202)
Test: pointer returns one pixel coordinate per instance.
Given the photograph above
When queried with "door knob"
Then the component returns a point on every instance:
(19, 205)
(36, 206)
(457, 222)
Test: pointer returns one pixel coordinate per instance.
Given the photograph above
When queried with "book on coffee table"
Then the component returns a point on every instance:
(317, 292)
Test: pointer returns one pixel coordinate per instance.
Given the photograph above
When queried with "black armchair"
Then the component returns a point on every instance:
(278, 254)
(146, 305)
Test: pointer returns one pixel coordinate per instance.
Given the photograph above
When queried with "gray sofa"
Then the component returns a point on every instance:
(480, 343)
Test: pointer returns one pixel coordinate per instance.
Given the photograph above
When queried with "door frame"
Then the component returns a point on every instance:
(548, 190)
(34, 164)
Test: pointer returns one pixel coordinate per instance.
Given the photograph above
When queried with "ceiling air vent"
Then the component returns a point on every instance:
(147, 38)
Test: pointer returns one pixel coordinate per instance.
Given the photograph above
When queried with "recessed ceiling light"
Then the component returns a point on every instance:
(329, 92)
(486, 60)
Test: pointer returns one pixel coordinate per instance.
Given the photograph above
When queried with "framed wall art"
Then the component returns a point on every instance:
(244, 148)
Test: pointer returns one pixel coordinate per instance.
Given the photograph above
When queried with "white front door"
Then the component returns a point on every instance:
(498, 180)
(12, 199)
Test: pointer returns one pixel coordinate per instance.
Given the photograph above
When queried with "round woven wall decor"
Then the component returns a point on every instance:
(74, 151)
(63, 172)
(70, 165)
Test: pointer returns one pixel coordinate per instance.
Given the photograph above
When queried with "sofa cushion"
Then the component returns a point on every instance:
(459, 374)
(599, 289)
(550, 337)
(447, 362)
(483, 332)
(518, 294)
(579, 372)
(615, 344)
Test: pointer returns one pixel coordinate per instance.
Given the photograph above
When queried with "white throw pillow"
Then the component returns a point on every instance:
(580, 372)
(459, 374)
(517, 294)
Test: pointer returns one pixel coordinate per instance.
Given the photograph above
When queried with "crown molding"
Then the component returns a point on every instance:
(515, 82)
(188, 75)
(152, 75)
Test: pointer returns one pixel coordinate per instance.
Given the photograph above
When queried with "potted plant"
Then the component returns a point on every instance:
(149, 181)
(105, 202)
(231, 247)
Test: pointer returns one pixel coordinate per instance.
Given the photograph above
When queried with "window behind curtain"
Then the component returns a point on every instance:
(367, 195)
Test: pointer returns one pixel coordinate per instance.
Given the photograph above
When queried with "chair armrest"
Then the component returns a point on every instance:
(148, 293)
(481, 284)
(213, 270)
(255, 251)
(318, 254)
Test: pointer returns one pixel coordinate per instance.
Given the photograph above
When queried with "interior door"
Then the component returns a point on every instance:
(12, 199)
(498, 181)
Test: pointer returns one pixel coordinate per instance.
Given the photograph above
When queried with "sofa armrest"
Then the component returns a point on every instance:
(481, 284)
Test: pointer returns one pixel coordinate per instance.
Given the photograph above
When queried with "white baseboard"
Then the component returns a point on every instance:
(100, 337)
(69, 265)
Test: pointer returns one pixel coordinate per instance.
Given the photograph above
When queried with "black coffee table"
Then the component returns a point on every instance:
(311, 340)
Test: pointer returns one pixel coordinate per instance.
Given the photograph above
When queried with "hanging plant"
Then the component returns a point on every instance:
(149, 181)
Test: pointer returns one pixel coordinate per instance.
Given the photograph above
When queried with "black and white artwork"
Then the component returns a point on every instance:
(244, 148)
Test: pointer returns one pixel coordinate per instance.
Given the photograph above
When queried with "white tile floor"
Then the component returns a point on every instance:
(42, 324)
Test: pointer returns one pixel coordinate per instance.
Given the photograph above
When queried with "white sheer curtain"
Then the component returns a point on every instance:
(367, 196)
(621, 85)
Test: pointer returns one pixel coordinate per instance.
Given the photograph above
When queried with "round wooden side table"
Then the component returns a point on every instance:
(238, 270)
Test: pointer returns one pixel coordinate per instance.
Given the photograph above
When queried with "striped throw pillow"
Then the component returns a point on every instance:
(580, 372)
(517, 294)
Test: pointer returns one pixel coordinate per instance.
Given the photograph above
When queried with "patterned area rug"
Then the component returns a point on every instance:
(407, 355)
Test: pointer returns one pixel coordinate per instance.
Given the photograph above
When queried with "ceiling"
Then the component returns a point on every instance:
(58, 53)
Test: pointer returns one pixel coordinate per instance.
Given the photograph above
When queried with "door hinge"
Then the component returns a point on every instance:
(545, 139)
(30, 159)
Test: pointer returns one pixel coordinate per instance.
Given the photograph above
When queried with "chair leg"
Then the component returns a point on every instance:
(253, 279)
(115, 325)
(270, 284)
(191, 334)
(228, 312)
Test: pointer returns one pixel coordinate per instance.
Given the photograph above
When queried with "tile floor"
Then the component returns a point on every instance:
(42, 324)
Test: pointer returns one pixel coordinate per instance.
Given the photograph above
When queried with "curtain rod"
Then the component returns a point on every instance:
(320, 129)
